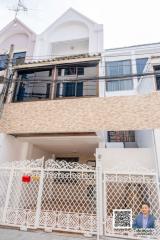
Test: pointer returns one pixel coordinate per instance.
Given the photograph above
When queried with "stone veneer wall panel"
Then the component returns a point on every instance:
(82, 115)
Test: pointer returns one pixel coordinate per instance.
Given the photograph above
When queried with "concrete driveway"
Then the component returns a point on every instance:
(12, 234)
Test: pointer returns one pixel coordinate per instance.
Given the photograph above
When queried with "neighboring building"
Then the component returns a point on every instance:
(86, 105)
(22, 37)
(119, 64)
(130, 71)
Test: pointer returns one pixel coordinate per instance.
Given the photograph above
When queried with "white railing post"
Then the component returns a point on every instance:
(99, 195)
(8, 195)
(39, 199)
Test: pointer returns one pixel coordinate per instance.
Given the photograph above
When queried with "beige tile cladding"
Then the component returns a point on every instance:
(82, 115)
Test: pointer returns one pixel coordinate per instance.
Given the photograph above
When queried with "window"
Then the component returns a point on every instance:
(119, 69)
(3, 61)
(29, 88)
(19, 58)
(80, 71)
(157, 72)
(158, 82)
(140, 64)
(70, 89)
(50, 73)
(70, 71)
(119, 85)
(121, 136)
(59, 71)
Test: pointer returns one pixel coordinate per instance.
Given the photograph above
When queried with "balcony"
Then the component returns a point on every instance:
(43, 89)
(64, 78)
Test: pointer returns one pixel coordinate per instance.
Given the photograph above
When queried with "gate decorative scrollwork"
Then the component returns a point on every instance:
(129, 191)
(68, 196)
(60, 195)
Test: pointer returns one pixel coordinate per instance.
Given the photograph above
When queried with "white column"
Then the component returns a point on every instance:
(134, 69)
(102, 83)
(102, 138)
(156, 133)
(99, 183)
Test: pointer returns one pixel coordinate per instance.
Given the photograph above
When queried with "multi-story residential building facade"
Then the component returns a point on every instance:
(76, 102)
(130, 71)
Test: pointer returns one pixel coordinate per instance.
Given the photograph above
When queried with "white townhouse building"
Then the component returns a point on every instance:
(80, 135)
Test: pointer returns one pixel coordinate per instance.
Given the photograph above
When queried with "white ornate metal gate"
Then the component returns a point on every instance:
(129, 191)
(65, 196)
(55, 195)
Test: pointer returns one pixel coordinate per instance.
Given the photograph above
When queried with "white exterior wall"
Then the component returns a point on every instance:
(11, 149)
(127, 159)
(34, 152)
(146, 85)
(71, 34)
(18, 34)
(157, 149)
(144, 138)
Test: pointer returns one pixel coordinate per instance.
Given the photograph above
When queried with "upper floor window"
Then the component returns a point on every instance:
(19, 58)
(157, 76)
(80, 71)
(118, 68)
(70, 71)
(121, 136)
(3, 61)
(158, 82)
(140, 64)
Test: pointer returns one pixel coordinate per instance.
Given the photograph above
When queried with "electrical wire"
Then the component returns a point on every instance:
(84, 79)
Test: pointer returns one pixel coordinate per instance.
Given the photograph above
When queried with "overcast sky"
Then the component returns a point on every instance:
(126, 22)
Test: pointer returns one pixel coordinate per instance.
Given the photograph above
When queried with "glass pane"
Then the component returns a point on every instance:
(70, 71)
(158, 82)
(118, 68)
(79, 90)
(121, 136)
(3, 62)
(18, 58)
(120, 85)
(80, 71)
(140, 64)
(68, 89)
